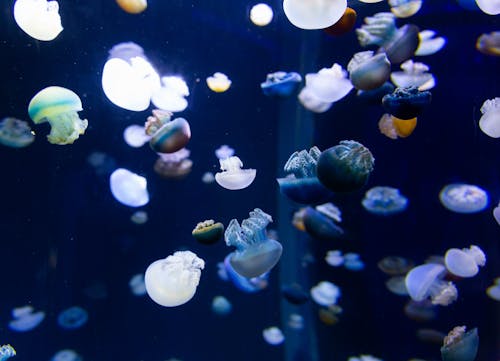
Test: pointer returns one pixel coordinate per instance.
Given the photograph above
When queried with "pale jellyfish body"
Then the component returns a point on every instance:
(135, 136)
(490, 121)
(329, 84)
(317, 14)
(129, 188)
(426, 281)
(428, 43)
(325, 293)
(490, 7)
(232, 176)
(171, 96)
(273, 335)
(38, 18)
(218, 83)
(463, 198)
(464, 262)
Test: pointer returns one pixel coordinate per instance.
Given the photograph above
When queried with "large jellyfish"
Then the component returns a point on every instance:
(368, 71)
(172, 281)
(490, 120)
(490, 7)
(132, 6)
(463, 198)
(464, 262)
(460, 345)
(167, 136)
(129, 188)
(406, 103)
(15, 133)
(38, 18)
(413, 74)
(59, 107)
(280, 83)
(314, 15)
(384, 201)
(426, 281)
(25, 319)
(6, 352)
(489, 44)
(255, 252)
(233, 177)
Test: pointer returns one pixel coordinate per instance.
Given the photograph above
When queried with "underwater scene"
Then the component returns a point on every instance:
(288, 180)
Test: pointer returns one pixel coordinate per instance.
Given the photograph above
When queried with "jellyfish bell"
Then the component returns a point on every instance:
(221, 306)
(329, 84)
(132, 6)
(490, 119)
(405, 8)
(167, 136)
(25, 319)
(396, 285)
(224, 151)
(496, 213)
(493, 291)
(247, 285)
(175, 165)
(129, 188)
(15, 133)
(233, 177)
(273, 336)
(280, 83)
(325, 293)
(6, 352)
(218, 83)
(384, 201)
(395, 128)
(464, 262)
(460, 345)
(429, 44)
(72, 318)
(426, 281)
(310, 101)
(320, 226)
(318, 15)
(38, 18)
(208, 232)
(489, 44)
(490, 7)
(135, 136)
(344, 25)
(413, 74)
(66, 355)
(463, 198)
(171, 95)
(261, 14)
(137, 285)
(406, 103)
(368, 71)
(395, 265)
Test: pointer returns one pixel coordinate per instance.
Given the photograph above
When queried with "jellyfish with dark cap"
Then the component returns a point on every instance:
(174, 165)
(406, 103)
(368, 71)
(320, 226)
(208, 232)
(425, 281)
(489, 44)
(344, 25)
(255, 253)
(460, 345)
(280, 83)
(167, 136)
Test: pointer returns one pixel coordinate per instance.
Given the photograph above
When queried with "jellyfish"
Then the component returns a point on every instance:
(208, 232)
(132, 6)
(135, 136)
(406, 103)
(224, 151)
(128, 78)
(353, 262)
(25, 319)
(421, 311)
(413, 74)
(273, 336)
(295, 294)
(218, 83)
(139, 217)
(464, 262)
(490, 7)
(221, 306)
(261, 14)
(463, 198)
(174, 165)
(489, 44)
(396, 285)
(72, 318)
(345, 167)
(496, 213)
(405, 8)
(310, 101)
(325, 293)
(370, 1)
(334, 258)
(426, 281)
(368, 71)
(208, 178)
(167, 136)
(137, 285)
(66, 355)
(428, 43)
(490, 120)
(247, 285)
(494, 290)
(15, 133)
(129, 188)
(6, 352)
(430, 335)
(329, 315)
(320, 226)
(232, 176)
(171, 96)
(460, 345)
(172, 281)
(255, 253)
(344, 25)
(363, 358)
(59, 107)
(318, 15)
(329, 84)
(393, 127)
(280, 83)
(295, 321)
(384, 201)
(38, 18)
(395, 265)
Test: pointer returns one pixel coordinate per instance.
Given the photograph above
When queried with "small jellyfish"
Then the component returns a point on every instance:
(208, 232)
(428, 43)
(129, 188)
(6, 352)
(172, 281)
(396, 285)
(393, 127)
(353, 262)
(295, 294)
(208, 178)
(368, 71)
(314, 15)
(135, 136)
(139, 217)
(384, 201)
(344, 25)
(489, 44)
(25, 319)
(421, 311)
(59, 107)
(15, 133)
(406, 103)
(325, 293)
(167, 136)
(221, 306)
(413, 74)
(460, 345)
(247, 285)
(137, 285)
(66, 355)
(319, 225)
(261, 14)
(233, 177)
(405, 8)
(464, 262)
(426, 281)
(72, 318)
(171, 95)
(132, 6)
(273, 336)
(345, 167)
(295, 321)
(395, 265)
(255, 253)
(329, 84)
(329, 315)
(334, 258)
(363, 358)
(494, 290)
(38, 18)
(174, 165)
(490, 7)
(496, 213)
(490, 120)
(224, 151)
(370, 1)
(463, 198)
(280, 83)
(218, 83)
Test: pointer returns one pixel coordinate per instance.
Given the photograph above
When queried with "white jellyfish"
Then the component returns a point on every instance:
(221, 305)
(25, 319)
(66, 355)
(464, 262)
(314, 15)
(129, 188)
(494, 290)
(224, 151)
(413, 74)
(405, 8)
(295, 321)
(232, 176)
(426, 281)
(490, 120)
(309, 100)
(329, 84)
(353, 262)
(325, 293)
(172, 281)
(429, 44)
(219, 82)
(171, 96)
(463, 198)
(334, 258)
(135, 136)
(261, 14)
(139, 217)
(273, 335)
(38, 18)
(496, 213)
(490, 7)
(137, 285)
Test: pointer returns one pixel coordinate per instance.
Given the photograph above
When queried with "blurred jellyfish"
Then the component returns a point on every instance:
(247, 285)
(344, 25)
(172, 281)
(219, 82)
(221, 271)
(128, 78)
(129, 188)
(102, 163)
(413, 74)
(221, 306)
(463, 198)
(320, 225)
(135, 136)
(72, 318)
(421, 311)
(232, 176)
(329, 315)
(261, 14)
(15, 133)
(325, 293)
(464, 262)
(171, 96)
(430, 336)
(490, 120)
(393, 127)
(295, 321)
(370, 1)
(363, 358)
(496, 213)
(59, 107)
(334, 258)
(490, 7)
(405, 8)
(137, 285)
(329, 84)
(426, 281)
(310, 101)
(280, 83)
(174, 165)
(318, 15)
(395, 265)
(38, 18)
(384, 201)
(494, 290)
(459, 345)
(167, 136)
(25, 319)
(273, 336)
(368, 71)
(6, 352)
(489, 44)
(295, 294)
(224, 151)
(428, 43)
(208, 232)
(397, 285)
(406, 103)
(66, 355)
(208, 178)
(139, 217)
(132, 6)
(353, 262)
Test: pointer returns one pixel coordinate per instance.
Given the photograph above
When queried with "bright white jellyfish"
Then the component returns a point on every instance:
(273, 335)
(318, 14)
(463, 198)
(261, 14)
(38, 18)
(129, 188)
(464, 262)
(135, 136)
(172, 281)
(490, 120)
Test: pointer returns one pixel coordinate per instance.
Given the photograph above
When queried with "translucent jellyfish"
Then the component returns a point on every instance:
(421, 311)
(344, 25)
(430, 335)
(393, 127)
(25, 319)
(139, 217)
(496, 213)
(397, 285)
(167, 136)
(208, 232)
(329, 315)
(406, 103)
(15, 133)
(368, 71)
(261, 14)
(129, 188)
(329, 84)
(208, 178)
(320, 225)
(72, 318)
(66, 355)
(172, 281)
(233, 177)
(137, 285)
(247, 285)
(363, 358)
(490, 7)
(174, 165)
(413, 74)
(219, 82)
(59, 107)
(255, 253)
(494, 290)
(426, 281)
(384, 201)
(460, 345)
(489, 44)
(428, 43)
(295, 294)
(463, 198)
(273, 336)
(221, 306)
(280, 83)
(334, 258)
(464, 262)
(171, 96)
(128, 78)
(314, 15)
(38, 18)
(490, 120)
(132, 6)
(395, 265)
(353, 262)
(6, 352)
(224, 151)
(310, 101)
(325, 293)
(345, 167)
(405, 8)
(295, 321)
(135, 136)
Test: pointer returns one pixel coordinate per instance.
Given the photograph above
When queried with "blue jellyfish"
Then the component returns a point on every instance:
(72, 318)
(384, 201)
(247, 285)
(280, 83)
(406, 103)
(6, 352)
(320, 226)
(459, 345)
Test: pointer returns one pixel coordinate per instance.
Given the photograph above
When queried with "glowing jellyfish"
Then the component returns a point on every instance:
(353, 262)
(344, 24)
(6, 352)
(496, 213)
(406, 103)
(318, 15)
(38, 18)
(247, 285)
(460, 345)
(295, 294)
(261, 14)
(428, 43)
(320, 225)
(171, 96)
(208, 232)
(15, 133)
(132, 6)
(395, 265)
(72, 318)
(384, 201)
(368, 71)
(137, 285)
(464, 262)
(167, 136)
(280, 83)
(135, 136)
(490, 120)
(413, 74)
(172, 281)
(325, 293)
(426, 281)
(363, 358)
(345, 167)
(128, 78)
(489, 44)
(421, 311)
(463, 198)
(25, 319)
(397, 285)
(233, 177)
(66, 355)
(129, 188)
(221, 306)
(334, 258)
(405, 8)
(295, 321)
(219, 82)
(329, 84)
(139, 217)
(393, 127)
(208, 178)
(59, 107)
(310, 101)
(224, 151)
(494, 290)
(255, 253)
(490, 7)
(273, 336)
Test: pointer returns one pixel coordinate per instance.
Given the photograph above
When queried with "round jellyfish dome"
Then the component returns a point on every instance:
(314, 15)
(463, 198)
(464, 262)
(425, 281)
(129, 188)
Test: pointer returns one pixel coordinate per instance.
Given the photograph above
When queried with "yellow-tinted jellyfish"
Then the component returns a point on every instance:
(261, 14)
(208, 232)
(489, 44)
(59, 107)
(15, 133)
(393, 127)
(38, 18)
(132, 6)
(219, 82)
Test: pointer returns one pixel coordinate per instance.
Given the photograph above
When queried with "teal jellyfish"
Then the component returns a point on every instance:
(459, 345)
(59, 107)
